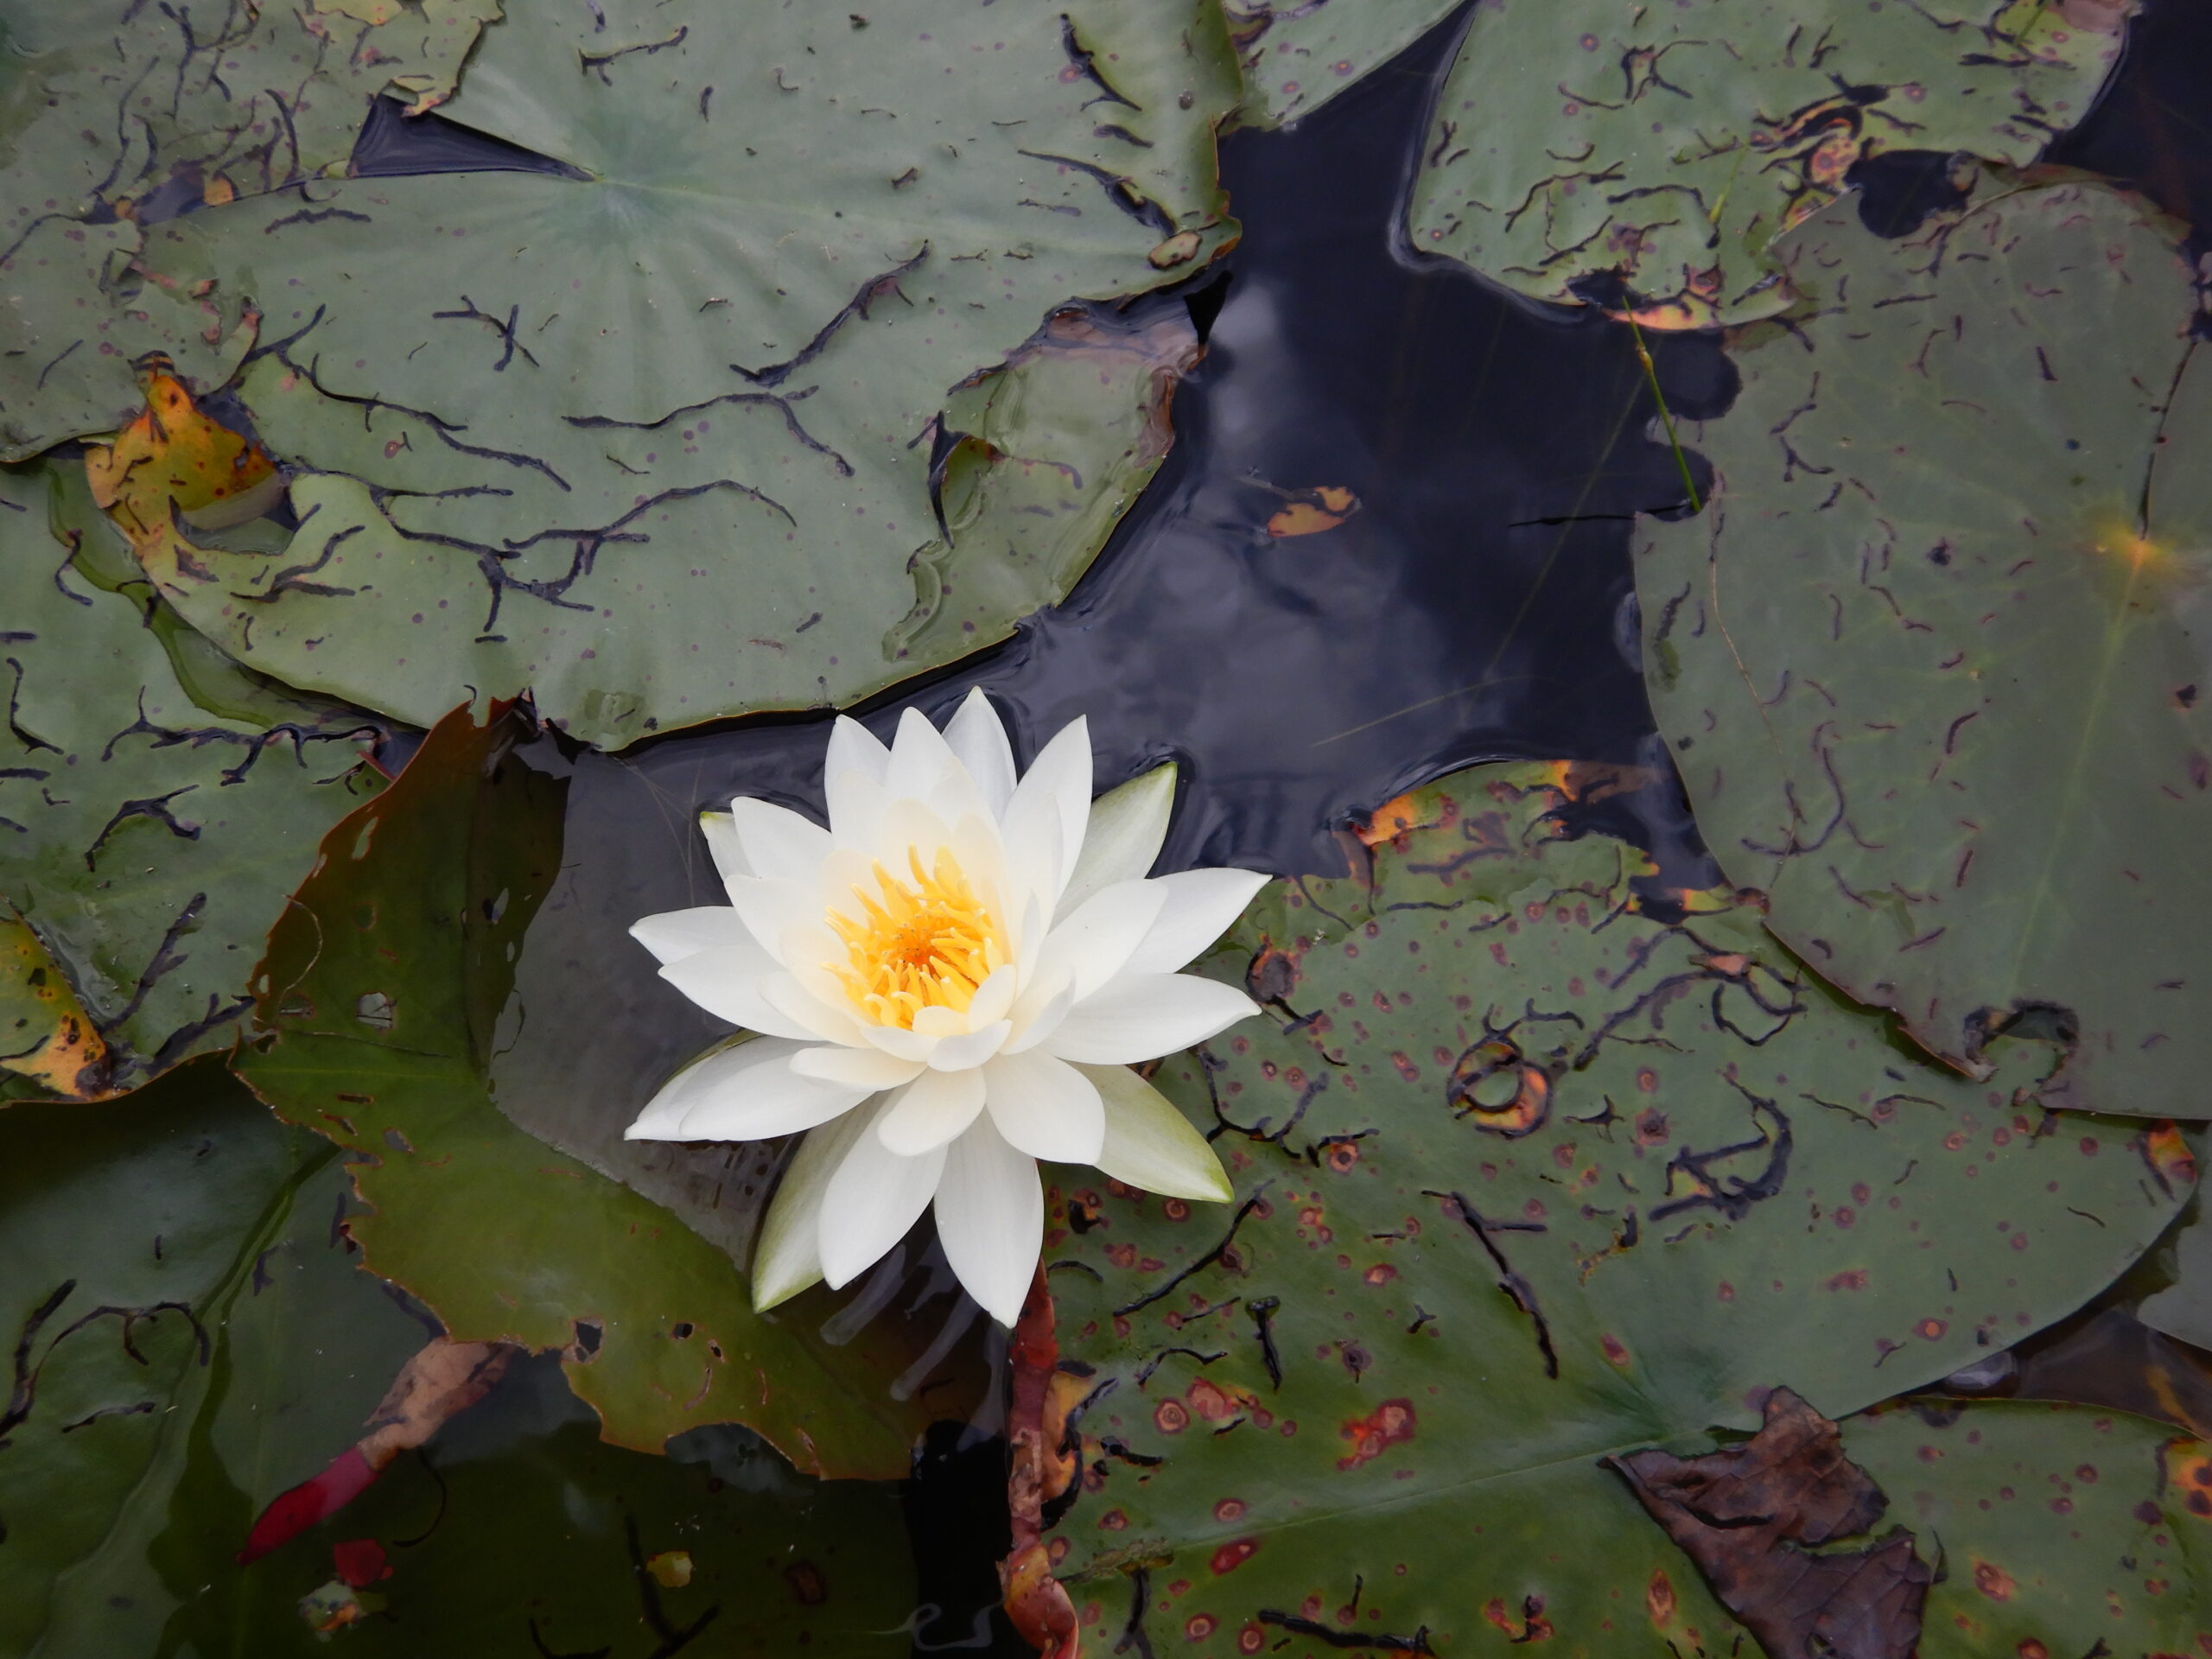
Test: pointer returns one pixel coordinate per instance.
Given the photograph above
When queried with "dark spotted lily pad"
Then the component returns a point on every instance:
(1932, 665)
(1669, 146)
(2055, 1528)
(148, 843)
(661, 437)
(379, 1000)
(1529, 1177)
(114, 112)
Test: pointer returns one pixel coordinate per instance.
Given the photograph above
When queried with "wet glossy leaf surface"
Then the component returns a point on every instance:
(1530, 1177)
(690, 468)
(150, 842)
(1930, 674)
(1665, 147)
(382, 990)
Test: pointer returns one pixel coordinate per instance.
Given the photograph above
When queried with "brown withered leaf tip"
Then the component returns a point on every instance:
(1752, 1516)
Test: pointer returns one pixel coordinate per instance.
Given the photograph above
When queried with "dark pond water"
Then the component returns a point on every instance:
(1476, 606)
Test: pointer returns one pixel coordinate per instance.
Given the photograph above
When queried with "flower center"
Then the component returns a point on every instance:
(927, 944)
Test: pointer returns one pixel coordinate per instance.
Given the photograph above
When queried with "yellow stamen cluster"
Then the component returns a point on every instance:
(925, 945)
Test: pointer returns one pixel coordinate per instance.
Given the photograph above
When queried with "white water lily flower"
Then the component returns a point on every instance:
(947, 983)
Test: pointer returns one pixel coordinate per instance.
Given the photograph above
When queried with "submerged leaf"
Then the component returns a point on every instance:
(191, 1335)
(1930, 664)
(1661, 150)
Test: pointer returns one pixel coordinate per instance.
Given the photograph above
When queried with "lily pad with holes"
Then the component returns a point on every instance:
(209, 1343)
(1932, 662)
(114, 114)
(659, 438)
(1664, 149)
(379, 999)
(148, 843)
(1527, 1175)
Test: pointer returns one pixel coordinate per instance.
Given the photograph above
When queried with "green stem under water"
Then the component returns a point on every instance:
(1651, 375)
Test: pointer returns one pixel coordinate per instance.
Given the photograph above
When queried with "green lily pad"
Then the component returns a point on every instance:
(379, 999)
(657, 440)
(1930, 664)
(149, 845)
(113, 110)
(192, 1337)
(2058, 1526)
(1296, 57)
(1527, 1176)
(1672, 145)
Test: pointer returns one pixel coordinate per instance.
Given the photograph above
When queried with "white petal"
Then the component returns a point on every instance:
(741, 1091)
(861, 1068)
(990, 1218)
(853, 748)
(1090, 946)
(898, 1041)
(1201, 905)
(871, 1200)
(772, 909)
(663, 1113)
(920, 758)
(909, 825)
(994, 997)
(1035, 1021)
(1150, 1144)
(1056, 790)
(976, 735)
(675, 934)
(787, 1256)
(1046, 1106)
(855, 802)
(940, 1022)
(728, 983)
(722, 846)
(970, 1049)
(1124, 837)
(930, 1111)
(779, 845)
(830, 1020)
(1142, 1016)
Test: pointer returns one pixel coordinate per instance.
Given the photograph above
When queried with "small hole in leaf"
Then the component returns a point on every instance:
(681, 1328)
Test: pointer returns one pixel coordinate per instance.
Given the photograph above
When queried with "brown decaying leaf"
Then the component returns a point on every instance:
(1308, 512)
(440, 1382)
(1749, 1516)
(442, 1379)
(1043, 1467)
